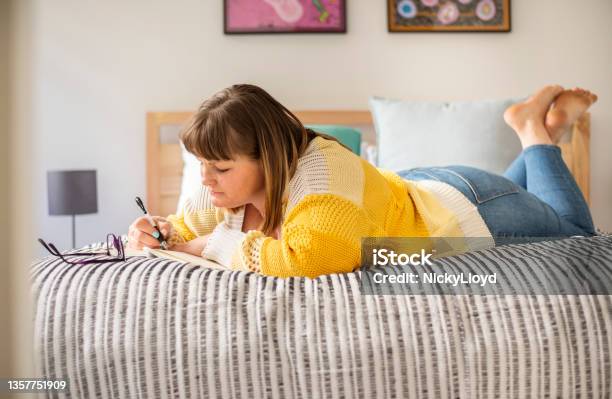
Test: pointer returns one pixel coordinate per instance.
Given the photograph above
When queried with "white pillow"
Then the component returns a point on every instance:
(417, 133)
(191, 180)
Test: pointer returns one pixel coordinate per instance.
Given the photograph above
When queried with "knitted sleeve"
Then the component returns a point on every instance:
(320, 235)
(197, 217)
(180, 232)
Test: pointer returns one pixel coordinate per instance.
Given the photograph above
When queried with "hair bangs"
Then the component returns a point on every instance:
(211, 137)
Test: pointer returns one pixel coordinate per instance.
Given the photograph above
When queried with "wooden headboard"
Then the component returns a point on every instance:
(165, 165)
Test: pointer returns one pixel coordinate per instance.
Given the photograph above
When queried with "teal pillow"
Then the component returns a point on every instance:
(348, 136)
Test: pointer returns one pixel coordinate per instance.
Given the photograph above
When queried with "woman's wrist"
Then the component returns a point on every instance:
(194, 247)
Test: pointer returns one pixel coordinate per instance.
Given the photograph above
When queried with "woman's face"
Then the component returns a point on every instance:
(233, 183)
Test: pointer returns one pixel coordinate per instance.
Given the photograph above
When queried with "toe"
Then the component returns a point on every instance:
(549, 93)
(586, 95)
(555, 90)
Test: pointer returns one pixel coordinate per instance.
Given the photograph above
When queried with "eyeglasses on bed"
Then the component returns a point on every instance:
(114, 251)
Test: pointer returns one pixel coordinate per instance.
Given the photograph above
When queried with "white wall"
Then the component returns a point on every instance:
(100, 65)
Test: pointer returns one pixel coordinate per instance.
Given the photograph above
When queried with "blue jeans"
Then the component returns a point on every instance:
(536, 197)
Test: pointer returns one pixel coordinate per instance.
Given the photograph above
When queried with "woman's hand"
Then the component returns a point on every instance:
(193, 247)
(140, 233)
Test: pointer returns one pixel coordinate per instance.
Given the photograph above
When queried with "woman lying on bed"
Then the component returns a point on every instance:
(282, 200)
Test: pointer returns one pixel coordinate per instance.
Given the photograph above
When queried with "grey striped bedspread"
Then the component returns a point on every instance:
(151, 328)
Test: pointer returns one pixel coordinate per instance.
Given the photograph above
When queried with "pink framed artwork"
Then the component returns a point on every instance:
(284, 16)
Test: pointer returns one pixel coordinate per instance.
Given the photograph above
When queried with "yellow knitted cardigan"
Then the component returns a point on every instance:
(334, 199)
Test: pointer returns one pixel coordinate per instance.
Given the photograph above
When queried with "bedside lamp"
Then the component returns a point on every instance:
(72, 192)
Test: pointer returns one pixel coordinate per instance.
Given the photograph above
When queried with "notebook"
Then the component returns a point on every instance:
(174, 255)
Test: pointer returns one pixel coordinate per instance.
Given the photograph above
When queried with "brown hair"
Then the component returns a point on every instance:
(245, 120)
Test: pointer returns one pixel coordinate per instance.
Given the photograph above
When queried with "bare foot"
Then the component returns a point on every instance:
(527, 118)
(566, 109)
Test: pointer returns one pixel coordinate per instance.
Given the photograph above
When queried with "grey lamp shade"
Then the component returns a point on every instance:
(72, 192)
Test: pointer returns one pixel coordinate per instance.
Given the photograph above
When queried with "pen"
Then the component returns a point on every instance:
(157, 234)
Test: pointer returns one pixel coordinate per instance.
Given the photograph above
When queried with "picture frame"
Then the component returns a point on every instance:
(284, 16)
(448, 15)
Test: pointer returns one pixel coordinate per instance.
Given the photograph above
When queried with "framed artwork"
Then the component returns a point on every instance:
(448, 15)
(284, 16)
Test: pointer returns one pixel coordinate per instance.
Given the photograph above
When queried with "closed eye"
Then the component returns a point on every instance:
(215, 168)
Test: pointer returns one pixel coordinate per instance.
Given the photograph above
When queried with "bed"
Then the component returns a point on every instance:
(157, 328)
(161, 329)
